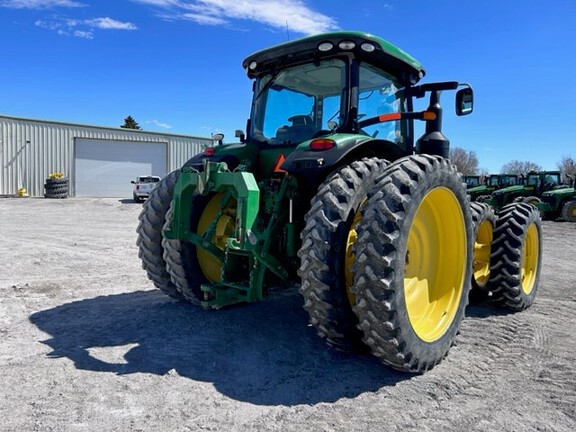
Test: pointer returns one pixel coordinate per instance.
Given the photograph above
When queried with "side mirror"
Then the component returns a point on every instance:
(133, 182)
(218, 138)
(240, 135)
(464, 101)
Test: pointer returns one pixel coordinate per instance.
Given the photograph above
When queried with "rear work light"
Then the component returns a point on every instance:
(322, 144)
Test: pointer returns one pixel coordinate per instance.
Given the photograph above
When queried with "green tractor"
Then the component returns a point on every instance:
(472, 181)
(559, 203)
(529, 191)
(482, 193)
(329, 191)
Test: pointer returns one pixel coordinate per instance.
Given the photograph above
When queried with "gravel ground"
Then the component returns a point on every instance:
(87, 343)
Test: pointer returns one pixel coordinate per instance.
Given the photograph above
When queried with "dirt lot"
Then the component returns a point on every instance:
(87, 343)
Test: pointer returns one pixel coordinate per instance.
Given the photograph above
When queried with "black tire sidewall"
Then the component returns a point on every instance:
(323, 252)
(439, 347)
(510, 233)
(414, 354)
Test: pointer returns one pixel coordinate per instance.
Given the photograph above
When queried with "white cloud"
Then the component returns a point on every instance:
(280, 14)
(110, 24)
(160, 3)
(160, 124)
(204, 19)
(83, 28)
(39, 4)
(83, 34)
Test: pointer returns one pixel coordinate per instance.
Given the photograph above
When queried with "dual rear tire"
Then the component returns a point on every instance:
(390, 265)
(406, 242)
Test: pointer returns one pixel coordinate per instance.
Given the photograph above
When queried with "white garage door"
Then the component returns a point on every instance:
(104, 168)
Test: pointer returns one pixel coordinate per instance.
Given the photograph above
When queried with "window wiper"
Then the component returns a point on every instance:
(275, 72)
(267, 85)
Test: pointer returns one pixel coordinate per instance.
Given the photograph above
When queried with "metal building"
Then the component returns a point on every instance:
(98, 161)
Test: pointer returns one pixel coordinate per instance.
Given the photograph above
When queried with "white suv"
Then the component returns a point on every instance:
(143, 186)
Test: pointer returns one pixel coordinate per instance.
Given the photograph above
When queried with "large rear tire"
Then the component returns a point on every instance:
(414, 262)
(483, 220)
(177, 264)
(152, 219)
(516, 257)
(189, 266)
(326, 252)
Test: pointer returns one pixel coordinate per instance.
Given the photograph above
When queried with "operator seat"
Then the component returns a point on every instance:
(302, 128)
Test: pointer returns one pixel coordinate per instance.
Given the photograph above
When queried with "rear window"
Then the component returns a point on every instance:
(148, 179)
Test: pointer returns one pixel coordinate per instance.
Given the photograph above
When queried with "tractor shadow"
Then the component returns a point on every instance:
(262, 353)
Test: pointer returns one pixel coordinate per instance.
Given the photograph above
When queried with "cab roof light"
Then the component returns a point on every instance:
(368, 47)
(325, 46)
(347, 45)
(322, 144)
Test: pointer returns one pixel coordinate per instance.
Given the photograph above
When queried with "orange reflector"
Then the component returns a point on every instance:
(429, 115)
(278, 163)
(209, 151)
(322, 144)
(390, 117)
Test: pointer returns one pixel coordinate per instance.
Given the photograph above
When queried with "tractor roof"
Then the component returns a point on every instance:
(363, 46)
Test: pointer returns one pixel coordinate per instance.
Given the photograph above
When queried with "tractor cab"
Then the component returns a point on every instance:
(312, 100)
(472, 181)
(506, 180)
(321, 100)
(544, 180)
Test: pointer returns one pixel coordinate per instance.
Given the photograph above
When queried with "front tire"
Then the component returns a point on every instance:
(569, 211)
(532, 200)
(516, 257)
(326, 252)
(413, 263)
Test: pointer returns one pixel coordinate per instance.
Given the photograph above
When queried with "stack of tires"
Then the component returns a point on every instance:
(56, 187)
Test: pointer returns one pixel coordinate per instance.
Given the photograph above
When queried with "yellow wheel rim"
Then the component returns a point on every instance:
(435, 269)
(530, 256)
(209, 264)
(482, 249)
(349, 255)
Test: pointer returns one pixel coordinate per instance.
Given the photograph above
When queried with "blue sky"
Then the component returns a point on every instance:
(175, 65)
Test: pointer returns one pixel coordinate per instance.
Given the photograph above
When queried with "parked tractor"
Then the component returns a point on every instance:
(472, 181)
(328, 190)
(530, 191)
(558, 204)
(483, 192)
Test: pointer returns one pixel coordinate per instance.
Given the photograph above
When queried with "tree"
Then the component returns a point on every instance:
(567, 167)
(520, 167)
(465, 161)
(130, 123)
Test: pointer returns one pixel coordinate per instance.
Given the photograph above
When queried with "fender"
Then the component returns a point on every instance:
(306, 161)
